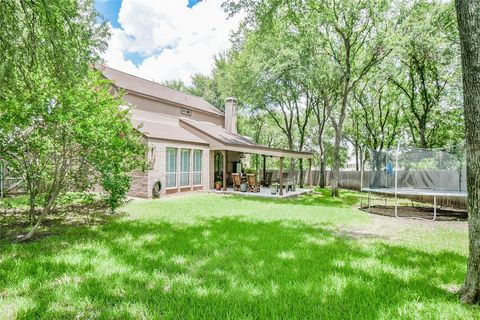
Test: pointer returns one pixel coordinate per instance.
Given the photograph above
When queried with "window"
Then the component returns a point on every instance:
(171, 167)
(185, 167)
(197, 167)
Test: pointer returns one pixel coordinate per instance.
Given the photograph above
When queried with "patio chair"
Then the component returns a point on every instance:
(237, 181)
(268, 178)
(253, 185)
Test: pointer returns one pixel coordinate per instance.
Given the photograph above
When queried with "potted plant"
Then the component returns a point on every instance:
(218, 185)
(274, 188)
(243, 187)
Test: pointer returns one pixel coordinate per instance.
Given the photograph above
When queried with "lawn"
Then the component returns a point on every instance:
(208, 256)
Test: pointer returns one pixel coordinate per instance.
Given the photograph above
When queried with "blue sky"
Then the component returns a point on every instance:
(165, 39)
(110, 9)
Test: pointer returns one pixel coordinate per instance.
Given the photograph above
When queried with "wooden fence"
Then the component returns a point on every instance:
(352, 180)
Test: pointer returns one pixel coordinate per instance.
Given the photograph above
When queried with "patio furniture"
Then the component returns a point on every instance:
(268, 178)
(237, 181)
(288, 183)
(244, 187)
(254, 186)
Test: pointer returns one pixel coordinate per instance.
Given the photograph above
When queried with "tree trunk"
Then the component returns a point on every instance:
(301, 181)
(336, 162)
(322, 172)
(356, 155)
(468, 14)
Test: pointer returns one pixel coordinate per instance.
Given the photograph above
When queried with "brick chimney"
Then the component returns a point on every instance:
(231, 114)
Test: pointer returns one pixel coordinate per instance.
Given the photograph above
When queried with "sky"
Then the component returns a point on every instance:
(165, 39)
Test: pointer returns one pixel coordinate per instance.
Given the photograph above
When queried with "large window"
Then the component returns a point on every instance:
(185, 167)
(171, 167)
(197, 167)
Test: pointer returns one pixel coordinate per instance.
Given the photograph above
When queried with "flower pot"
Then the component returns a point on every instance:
(218, 186)
(273, 190)
(243, 187)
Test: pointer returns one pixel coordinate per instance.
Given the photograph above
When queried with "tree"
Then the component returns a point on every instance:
(354, 42)
(427, 50)
(376, 114)
(59, 124)
(82, 139)
(267, 74)
(468, 15)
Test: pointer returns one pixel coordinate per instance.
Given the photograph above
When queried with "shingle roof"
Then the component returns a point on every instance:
(235, 142)
(133, 83)
(221, 133)
(165, 131)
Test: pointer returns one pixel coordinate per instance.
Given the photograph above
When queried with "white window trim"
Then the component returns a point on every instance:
(201, 168)
(189, 184)
(176, 168)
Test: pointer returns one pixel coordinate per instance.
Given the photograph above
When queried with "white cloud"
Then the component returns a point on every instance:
(175, 40)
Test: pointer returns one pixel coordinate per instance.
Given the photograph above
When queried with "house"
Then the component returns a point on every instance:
(191, 142)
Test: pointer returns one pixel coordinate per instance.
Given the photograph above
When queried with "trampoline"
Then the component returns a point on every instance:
(411, 171)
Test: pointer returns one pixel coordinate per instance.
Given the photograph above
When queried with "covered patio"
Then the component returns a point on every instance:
(226, 150)
(265, 193)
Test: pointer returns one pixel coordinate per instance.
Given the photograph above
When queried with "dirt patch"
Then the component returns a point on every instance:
(359, 234)
(443, 214)
(15, 224)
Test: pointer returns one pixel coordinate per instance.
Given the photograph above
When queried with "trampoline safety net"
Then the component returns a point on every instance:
(416, 171)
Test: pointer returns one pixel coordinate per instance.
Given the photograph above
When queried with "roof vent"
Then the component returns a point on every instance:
(186, 112)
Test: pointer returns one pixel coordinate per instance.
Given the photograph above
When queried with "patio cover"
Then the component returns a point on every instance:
(221, 139)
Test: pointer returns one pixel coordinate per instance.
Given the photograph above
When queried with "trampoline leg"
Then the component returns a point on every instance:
(434, 207)
(369, 200)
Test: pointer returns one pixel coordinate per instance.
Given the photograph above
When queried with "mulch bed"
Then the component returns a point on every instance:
(14, 224)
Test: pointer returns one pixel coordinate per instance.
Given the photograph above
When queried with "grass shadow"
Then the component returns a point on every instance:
(225, 268)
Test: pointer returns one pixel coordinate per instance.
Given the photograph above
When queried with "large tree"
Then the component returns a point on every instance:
(426, 48)
(267, 73)
(468, 13)
(59, 123)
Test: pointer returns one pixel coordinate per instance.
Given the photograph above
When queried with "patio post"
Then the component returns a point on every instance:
(310, 172)
(224, 153)
(264, 172)
(281, 176)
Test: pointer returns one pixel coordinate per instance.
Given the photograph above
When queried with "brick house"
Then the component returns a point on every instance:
(190, 141)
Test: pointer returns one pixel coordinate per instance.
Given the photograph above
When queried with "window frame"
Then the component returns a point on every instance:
(171, 173)
(197, 172)
(184, 174)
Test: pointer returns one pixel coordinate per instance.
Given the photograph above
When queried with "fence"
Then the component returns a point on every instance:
(352, 180)
(9, 185)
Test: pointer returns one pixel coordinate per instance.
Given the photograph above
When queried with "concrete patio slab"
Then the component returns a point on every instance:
(265, 193)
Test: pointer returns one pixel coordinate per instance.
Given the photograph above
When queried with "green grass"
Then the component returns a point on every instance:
(208, 256)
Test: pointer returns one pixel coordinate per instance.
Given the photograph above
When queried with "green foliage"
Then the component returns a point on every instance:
(60, 127)
(388, 70)
(427, 49)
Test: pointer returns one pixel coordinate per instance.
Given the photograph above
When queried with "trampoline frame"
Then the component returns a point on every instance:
(408, 192)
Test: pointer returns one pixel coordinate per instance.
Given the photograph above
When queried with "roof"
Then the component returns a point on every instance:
(165, 131)
(226, 140)
(139, 85)
(220, 133)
